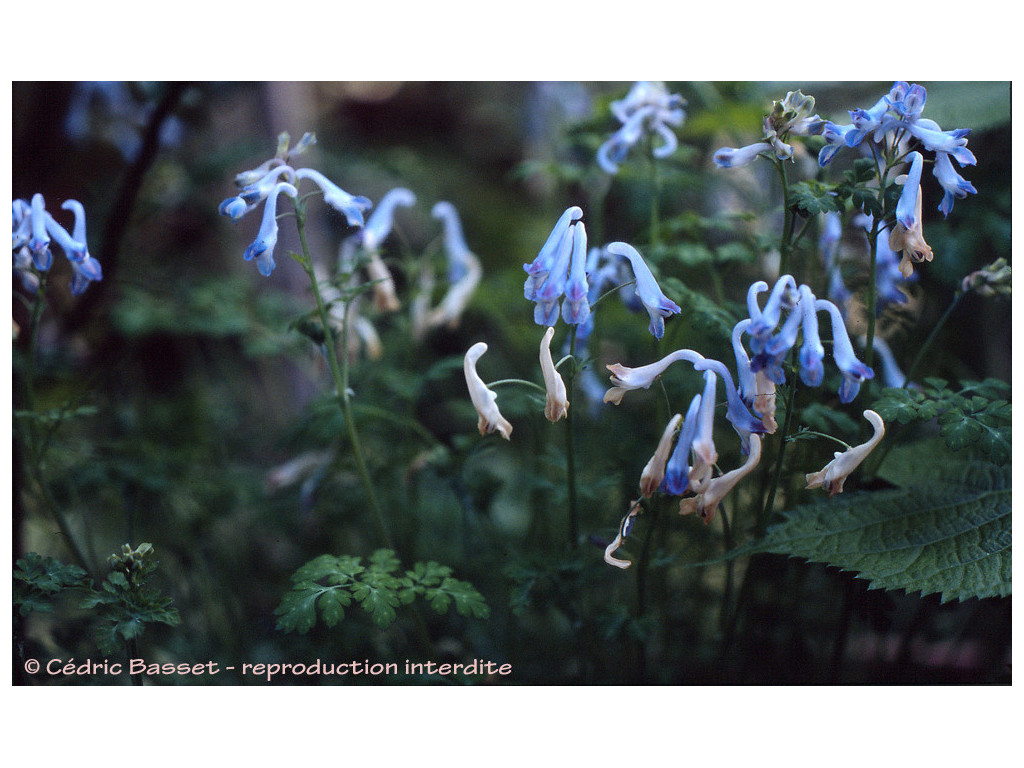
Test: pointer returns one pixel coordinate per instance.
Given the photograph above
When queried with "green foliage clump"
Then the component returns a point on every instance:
(330, 584)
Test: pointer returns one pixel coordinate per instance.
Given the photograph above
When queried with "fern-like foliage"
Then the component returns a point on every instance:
(328, 584)
(974, 415)
(38, 581)
(951, 536)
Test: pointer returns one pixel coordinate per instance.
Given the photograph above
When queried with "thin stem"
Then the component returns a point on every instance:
(923, 351)
(339, 372)
(785, 246)
(769, 505)
(570, 453)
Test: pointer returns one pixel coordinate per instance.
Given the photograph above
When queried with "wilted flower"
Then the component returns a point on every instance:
(625, 528)
(464, 274)
(993, 280)
(647, 109)
(707, 500)
(834, 474)
(484, 399)
(654, 471)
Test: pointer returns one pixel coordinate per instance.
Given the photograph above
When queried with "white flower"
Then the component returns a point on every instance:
(832, 477)
(558, 403)
(654, 471)
(706, 502)
(483, 398)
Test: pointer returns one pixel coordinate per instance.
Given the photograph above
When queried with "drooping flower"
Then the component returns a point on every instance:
(706, 501)
(484, 399)
(677, 470)
(654, 471)
(264, 183)
(464, 274)
(834, 474)
(658, 305)
(853, 370)
(262, 248)
(910, 242)
(647, 109)
(32, 228)
(557, 398)
(704, 449)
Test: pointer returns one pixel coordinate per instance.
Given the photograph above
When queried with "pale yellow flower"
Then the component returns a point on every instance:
(558, 403)
(706, 502)
(484, 400)
(832, 477)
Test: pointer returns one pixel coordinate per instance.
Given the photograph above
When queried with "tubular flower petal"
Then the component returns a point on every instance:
(21, 224)
(703, 442)
(854, 372)
(953, 184)
(812, 353)
(647, 108)
(459, 255)
(351, 207)
(384, 296)
(464, 272)
(546, 257)
(744, 373)
(74, 250)
(706, 503)
(378, 226)
(484, 399)
(658, 305)
(731, 157)
(907, 209)
(764, 402)
(558, 402)
(743, 422)
(654, 470)
(39, 243)
(834, 474)
(262, 248)
(677, 470)
(783, 295)
(576, 307)
(626, 379)
(251, 194)
(625, 527)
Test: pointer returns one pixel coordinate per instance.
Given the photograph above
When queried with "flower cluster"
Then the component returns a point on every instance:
(265, 183)
(790, 117)
(647, 109)
(770, 349)
(32, 231)
(561, 269)
(894, 117)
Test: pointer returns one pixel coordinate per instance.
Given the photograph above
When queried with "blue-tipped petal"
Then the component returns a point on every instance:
(907, 205)
(576, 307)
(657, 304)
(39, 243)
(677, 470)
(853, 370)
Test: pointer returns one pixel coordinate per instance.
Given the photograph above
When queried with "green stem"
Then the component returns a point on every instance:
(339, 372)
(786, 245)
(570, 453)
(769, 505)
(923, 351)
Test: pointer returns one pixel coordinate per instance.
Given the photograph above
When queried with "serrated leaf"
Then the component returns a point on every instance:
(953, 538)
(332, 606)
(813, 197)
(379, 602)
(298, 610)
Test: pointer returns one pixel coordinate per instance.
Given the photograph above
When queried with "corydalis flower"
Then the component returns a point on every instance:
(557, 398)
(789, 117)
(32, 231)
(647, 109)
(707, 500)
(370, 239)
(264, 184)
(657, 304)
(895, 116)
(464, 274)
(560, 270)
(834, 474)
(654, 471)
(484, 399)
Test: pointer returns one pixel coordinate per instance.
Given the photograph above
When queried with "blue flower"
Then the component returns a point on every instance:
(647, 108)
(379, 225)
(763, 322)
(677, 471)
(262, 248)
(853, 370)
(351, 206)
(85, 269)
(658, 305)
(454, 241)
(835, 139)
(905, 208)
(953, 184)
(564, 251)
(730, 157)
(812, 353)
(39, 243)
